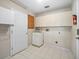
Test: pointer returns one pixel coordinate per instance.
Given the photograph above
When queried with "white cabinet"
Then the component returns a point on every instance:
(6, 16)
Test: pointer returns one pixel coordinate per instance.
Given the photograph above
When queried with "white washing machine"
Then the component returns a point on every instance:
(37, 38)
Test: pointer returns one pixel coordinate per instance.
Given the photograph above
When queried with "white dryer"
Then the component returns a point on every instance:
(37, 39)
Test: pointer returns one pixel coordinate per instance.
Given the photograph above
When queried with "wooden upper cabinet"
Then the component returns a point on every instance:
(31, 22)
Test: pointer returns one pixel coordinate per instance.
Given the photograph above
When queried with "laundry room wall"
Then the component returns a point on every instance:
(75, 11)
(74, 29)
(60, 36)
(57, 22)
(61, 18)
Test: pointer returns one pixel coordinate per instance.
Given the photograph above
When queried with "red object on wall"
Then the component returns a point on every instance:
(74, 19)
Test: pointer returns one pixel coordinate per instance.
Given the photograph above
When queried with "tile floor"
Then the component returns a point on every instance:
(44, 52)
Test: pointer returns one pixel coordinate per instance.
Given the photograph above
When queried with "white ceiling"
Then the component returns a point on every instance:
(37, 6)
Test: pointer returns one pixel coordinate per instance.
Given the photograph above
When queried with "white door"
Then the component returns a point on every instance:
(18, 33)
(77, 40)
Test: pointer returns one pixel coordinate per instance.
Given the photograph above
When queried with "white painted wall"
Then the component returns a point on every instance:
(63, 35)
(55, 19)
(30, 31)
(78, 28)
(57, 22)
(75, 42)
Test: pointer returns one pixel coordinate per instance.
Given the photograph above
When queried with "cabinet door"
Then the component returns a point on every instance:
(6, 16)
(18, 33)
(30, 22)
